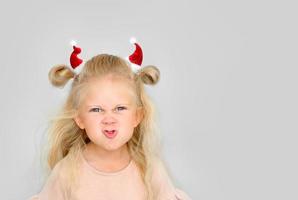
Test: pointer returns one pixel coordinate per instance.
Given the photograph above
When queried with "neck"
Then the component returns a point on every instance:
(107, 159)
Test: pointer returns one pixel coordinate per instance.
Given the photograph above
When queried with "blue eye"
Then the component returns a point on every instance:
(99, 109)
(95, 109)
(122, 108)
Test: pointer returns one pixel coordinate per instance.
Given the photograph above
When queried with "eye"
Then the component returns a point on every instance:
(121, 108)
(95, 109)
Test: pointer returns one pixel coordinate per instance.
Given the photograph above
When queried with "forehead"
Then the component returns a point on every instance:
(108, 92)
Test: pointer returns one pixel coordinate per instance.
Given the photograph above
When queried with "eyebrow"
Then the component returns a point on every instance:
(115, 106)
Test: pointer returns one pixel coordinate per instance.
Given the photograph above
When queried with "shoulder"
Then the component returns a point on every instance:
(161, 173)
(181, 195)
(164, 184)
(57, 171)
(161, 179)
(53, 187)
(56, 174)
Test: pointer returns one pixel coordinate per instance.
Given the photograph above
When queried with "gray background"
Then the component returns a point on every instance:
(227, 97)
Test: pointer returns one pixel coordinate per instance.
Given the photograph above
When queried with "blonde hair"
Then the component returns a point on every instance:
(67, 140)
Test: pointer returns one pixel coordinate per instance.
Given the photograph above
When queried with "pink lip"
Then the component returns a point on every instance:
(110, 134)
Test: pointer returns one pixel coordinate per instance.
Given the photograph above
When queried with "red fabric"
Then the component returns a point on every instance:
(137, 56)
(74, 60)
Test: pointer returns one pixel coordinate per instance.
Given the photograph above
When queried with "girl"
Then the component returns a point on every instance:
(103, 145)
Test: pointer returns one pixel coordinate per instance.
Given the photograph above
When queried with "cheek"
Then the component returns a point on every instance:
(126, 131)
(128, 121)
(124, 122)
(92, 124)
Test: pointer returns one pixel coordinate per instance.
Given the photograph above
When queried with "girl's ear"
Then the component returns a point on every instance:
(139, 116)
(78, 122)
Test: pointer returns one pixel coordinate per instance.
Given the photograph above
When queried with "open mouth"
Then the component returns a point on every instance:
(110, 133)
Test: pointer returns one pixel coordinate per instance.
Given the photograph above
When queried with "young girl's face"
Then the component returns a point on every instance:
(108, 105)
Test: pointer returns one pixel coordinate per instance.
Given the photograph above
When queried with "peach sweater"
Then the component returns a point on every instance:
(125, 184)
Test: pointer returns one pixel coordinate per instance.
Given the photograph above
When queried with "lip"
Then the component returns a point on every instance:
(110, 135)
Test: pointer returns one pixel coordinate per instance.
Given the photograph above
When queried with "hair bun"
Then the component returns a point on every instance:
(60, 74)
(149, 74)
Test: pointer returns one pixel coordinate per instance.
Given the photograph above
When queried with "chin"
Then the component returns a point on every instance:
(113, 146)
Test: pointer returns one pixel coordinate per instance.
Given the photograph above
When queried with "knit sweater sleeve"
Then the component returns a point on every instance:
(53, 187)
(165, 186)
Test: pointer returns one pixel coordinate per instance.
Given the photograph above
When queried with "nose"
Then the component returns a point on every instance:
(108, 119)
(107, 122)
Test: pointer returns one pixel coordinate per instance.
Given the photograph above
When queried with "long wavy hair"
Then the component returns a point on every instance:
(66, 140)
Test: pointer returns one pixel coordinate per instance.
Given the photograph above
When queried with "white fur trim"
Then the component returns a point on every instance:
(73, 43)
(133, 40)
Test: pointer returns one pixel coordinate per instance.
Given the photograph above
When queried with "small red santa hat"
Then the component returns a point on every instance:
(136, 58)
(75, 61)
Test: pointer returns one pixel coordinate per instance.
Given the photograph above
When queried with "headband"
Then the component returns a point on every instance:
(134, 60)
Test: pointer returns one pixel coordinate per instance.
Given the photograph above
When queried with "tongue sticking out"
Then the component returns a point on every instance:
(110, 134)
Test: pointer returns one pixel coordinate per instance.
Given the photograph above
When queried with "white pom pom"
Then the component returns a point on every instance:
(135, 68)
(133, 40)
(73, 43)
